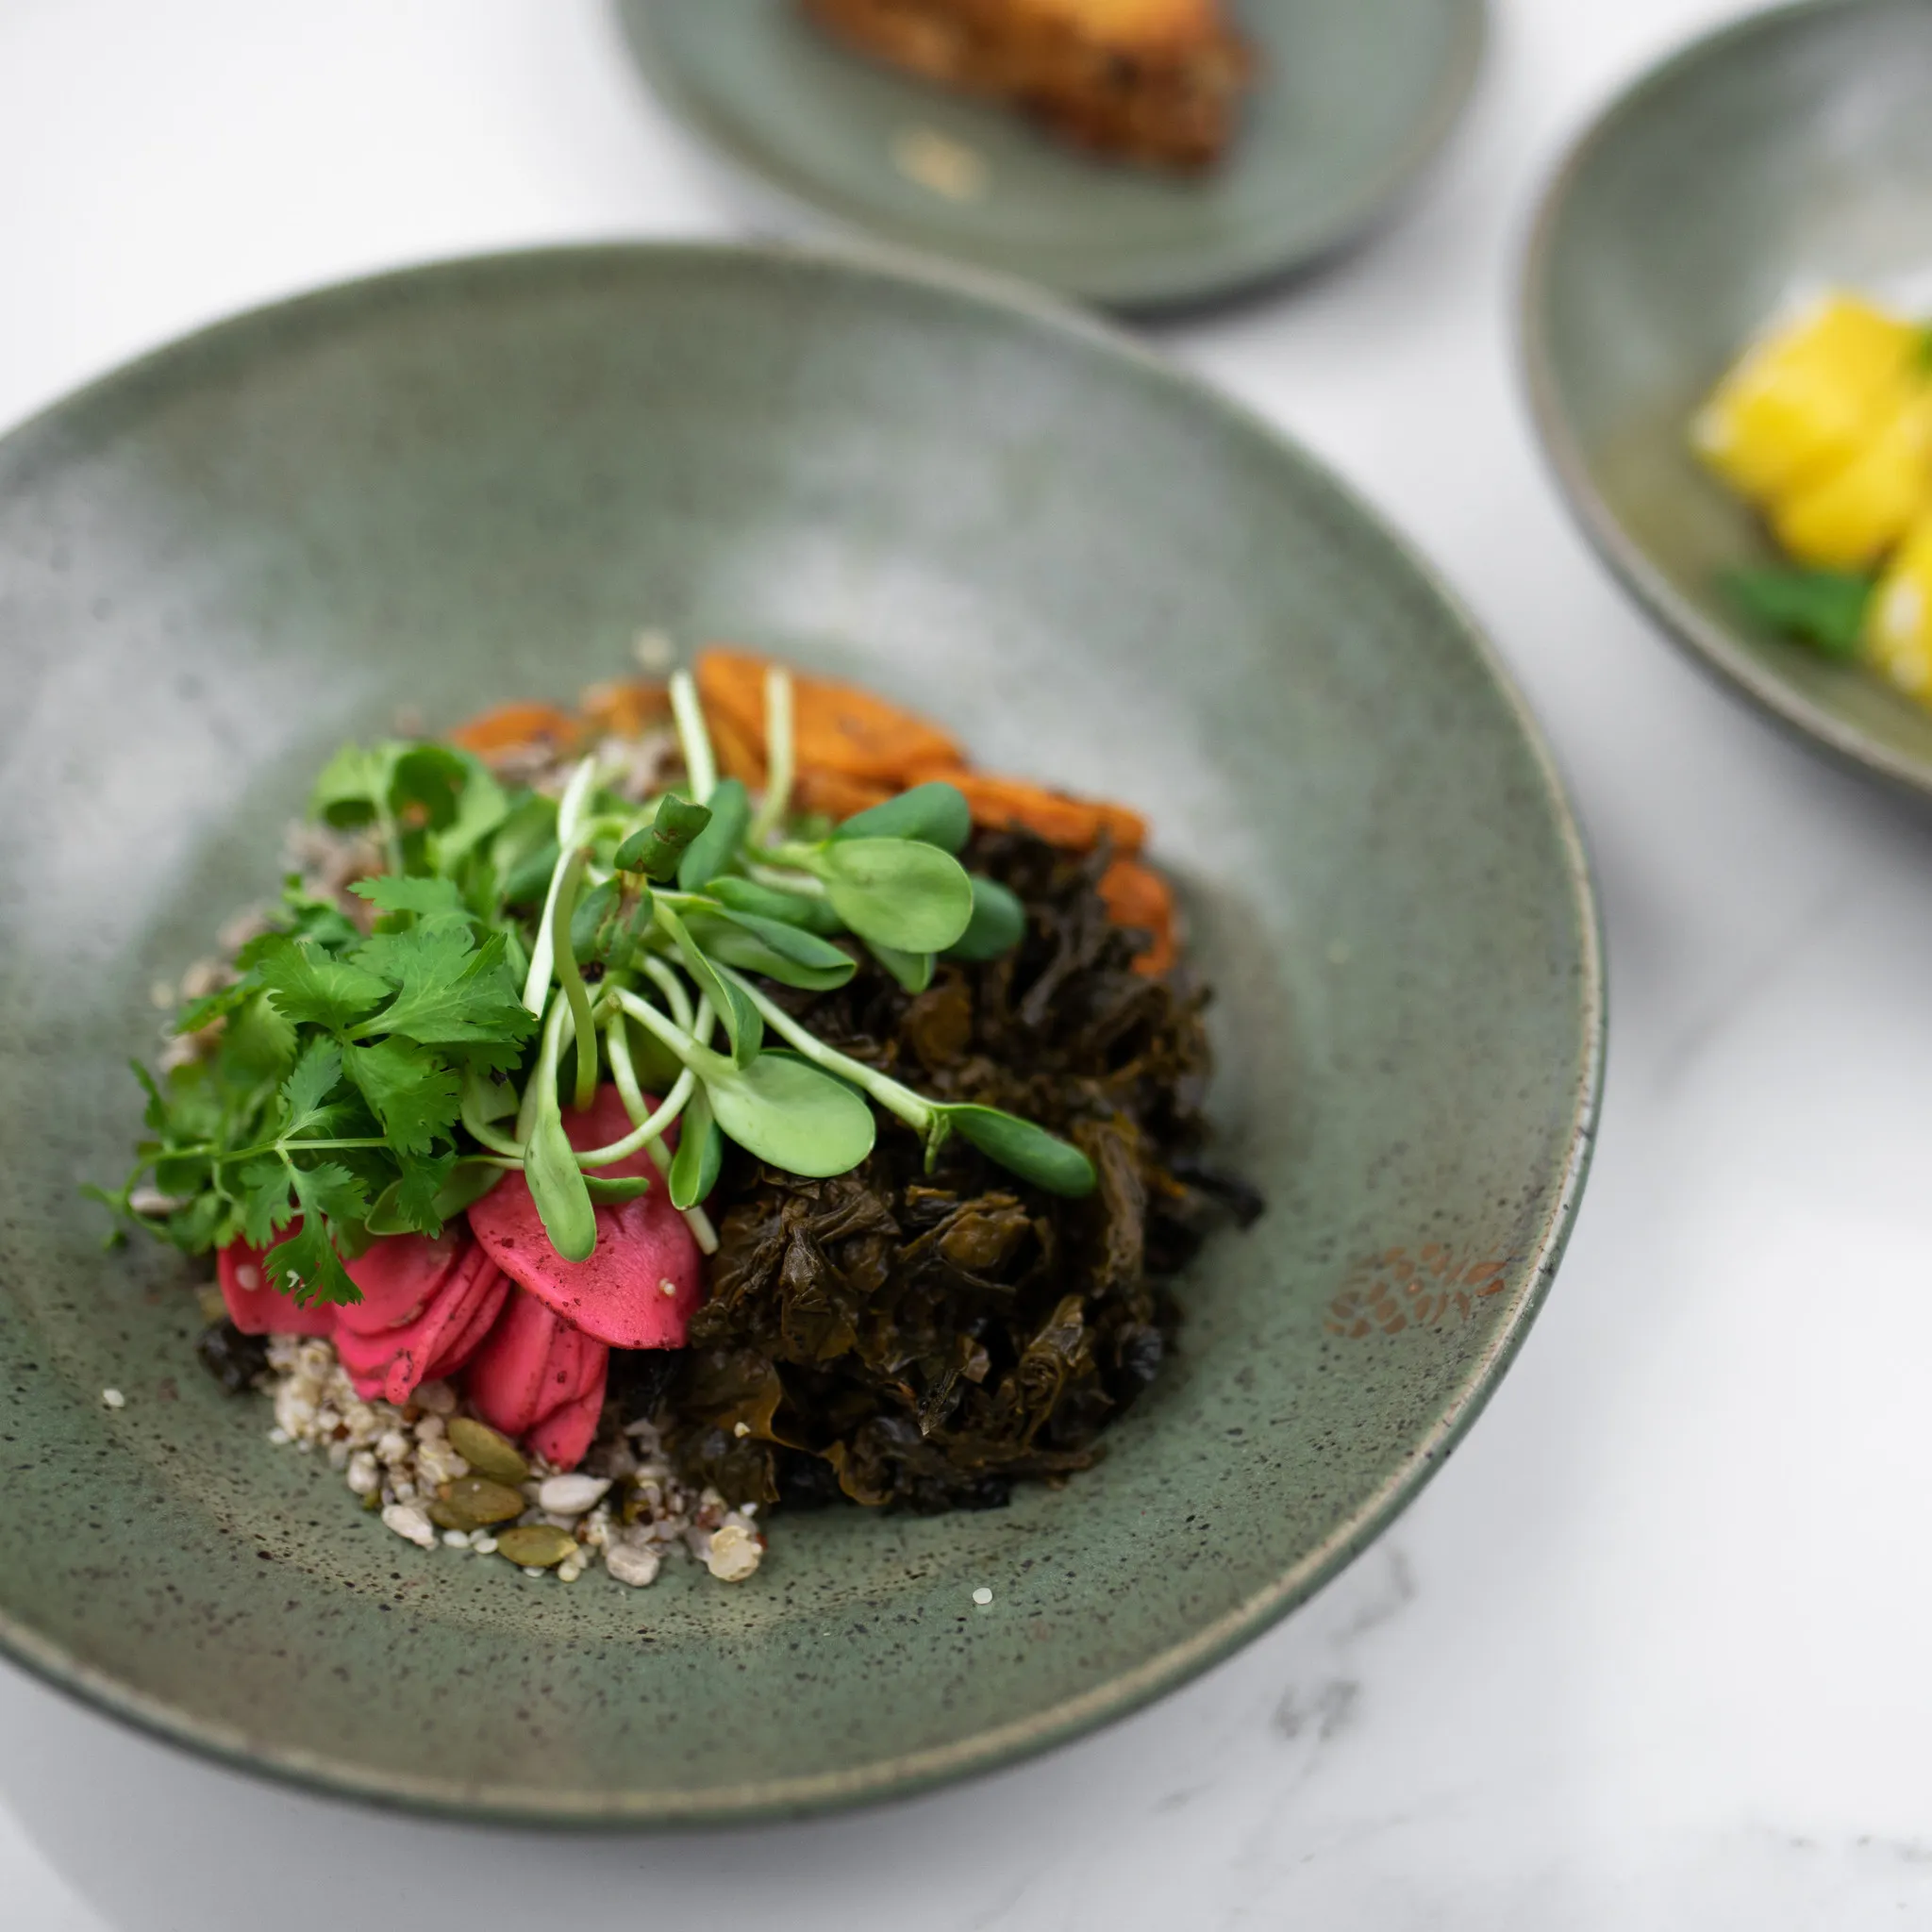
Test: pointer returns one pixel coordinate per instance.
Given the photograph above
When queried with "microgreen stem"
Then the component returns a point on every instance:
(803, 883)
(571, 981)
(700, 766)
(624, 1073)
(778, 756)
(805, 858)
(569, 812)
(889, 1092)
(481, 1130)
(545, 1070)
(667, 1030)
(676, 997)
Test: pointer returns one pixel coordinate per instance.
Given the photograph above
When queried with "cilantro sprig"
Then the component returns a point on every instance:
(376, 1062)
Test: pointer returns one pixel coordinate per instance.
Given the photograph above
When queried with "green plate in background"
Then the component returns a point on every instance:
(1352, 100)
(437, 489)
(1784, 155)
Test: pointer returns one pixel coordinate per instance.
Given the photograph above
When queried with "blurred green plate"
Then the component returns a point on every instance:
(442, 489)
(1351, 102)
(1785, 153)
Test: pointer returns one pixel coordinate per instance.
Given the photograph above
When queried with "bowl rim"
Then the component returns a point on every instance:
(1713, 647)
(1168, 284)
(1529, 1276)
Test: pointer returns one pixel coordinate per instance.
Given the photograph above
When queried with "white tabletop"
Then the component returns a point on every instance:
(1651, 1652)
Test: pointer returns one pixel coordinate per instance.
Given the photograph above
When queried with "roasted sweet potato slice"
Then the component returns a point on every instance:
(1075, 823)
(836, 727)
(625, 707)
(1139, 898)
(509, 727)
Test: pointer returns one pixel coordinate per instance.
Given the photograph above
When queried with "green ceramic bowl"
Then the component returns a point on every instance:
(445, 488)
(1788, 152)
(1352, 102)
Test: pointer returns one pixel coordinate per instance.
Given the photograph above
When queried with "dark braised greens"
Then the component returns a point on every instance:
(921, 1336)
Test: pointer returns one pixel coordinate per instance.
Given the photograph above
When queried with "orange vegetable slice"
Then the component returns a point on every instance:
(836, 727)
(1139, 898)
(509, 727)
(835, 795)
(625, 707)
(1075, 824)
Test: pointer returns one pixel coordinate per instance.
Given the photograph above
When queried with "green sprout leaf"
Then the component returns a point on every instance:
(425, 784)
(557, 1182)
(610, 1191)
(714, 848)
(898, 892)
(1825, 609)
(789, 1114)
(811, 911)
(936, 814)
(1021, 1147)
(699, 1153)
(658, 848)
(780, 952)
(742, 1026)
(997, 925)
(913, 971)
(481, 809)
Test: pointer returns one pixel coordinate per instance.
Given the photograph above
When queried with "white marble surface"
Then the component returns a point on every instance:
(1649, 1654)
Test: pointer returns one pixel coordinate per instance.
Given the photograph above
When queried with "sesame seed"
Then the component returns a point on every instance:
(667, 1286)
(113, 1398)
(982, 1595)
(740, 1428)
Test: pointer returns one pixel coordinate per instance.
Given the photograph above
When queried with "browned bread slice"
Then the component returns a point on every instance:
(1153, 80)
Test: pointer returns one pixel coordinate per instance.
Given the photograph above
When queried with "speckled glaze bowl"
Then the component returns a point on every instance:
(1350, 104)
(1785, 154)
(444, 488)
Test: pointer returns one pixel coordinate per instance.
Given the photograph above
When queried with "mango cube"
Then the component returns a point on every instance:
(1803, 400)
(1848, 518)
(1898, 623)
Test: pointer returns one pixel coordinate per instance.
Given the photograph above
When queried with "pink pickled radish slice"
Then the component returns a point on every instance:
(398, 1274)
(643, 1283)
(256, 1308)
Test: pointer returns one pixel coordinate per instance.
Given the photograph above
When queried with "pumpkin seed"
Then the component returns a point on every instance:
(535, 1545)
(486, 1452)
(474, 1501)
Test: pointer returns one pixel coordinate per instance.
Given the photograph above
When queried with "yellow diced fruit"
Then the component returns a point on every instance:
(1801, 401)
(1848, 518)
(1898, 624)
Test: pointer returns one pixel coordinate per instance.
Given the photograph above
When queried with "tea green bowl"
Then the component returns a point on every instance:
(440, 489)
(1349, 104)
(1783, 154)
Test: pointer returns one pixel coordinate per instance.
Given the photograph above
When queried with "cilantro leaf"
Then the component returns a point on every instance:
(265, 1201)
(316, 1075)
(305, 984)
(353, 788)
(304, 1263)
(414, 1096)
(482, 807)
(217, 1005)
(450, 992)
(394, 894)
(1822, 607)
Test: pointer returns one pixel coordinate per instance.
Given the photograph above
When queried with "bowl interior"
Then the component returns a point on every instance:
(442, 489)
(1787, 155)
(1350, 101)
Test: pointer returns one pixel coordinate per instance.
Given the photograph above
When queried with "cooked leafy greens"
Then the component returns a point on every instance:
(934, 1323)
(376, 1062)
